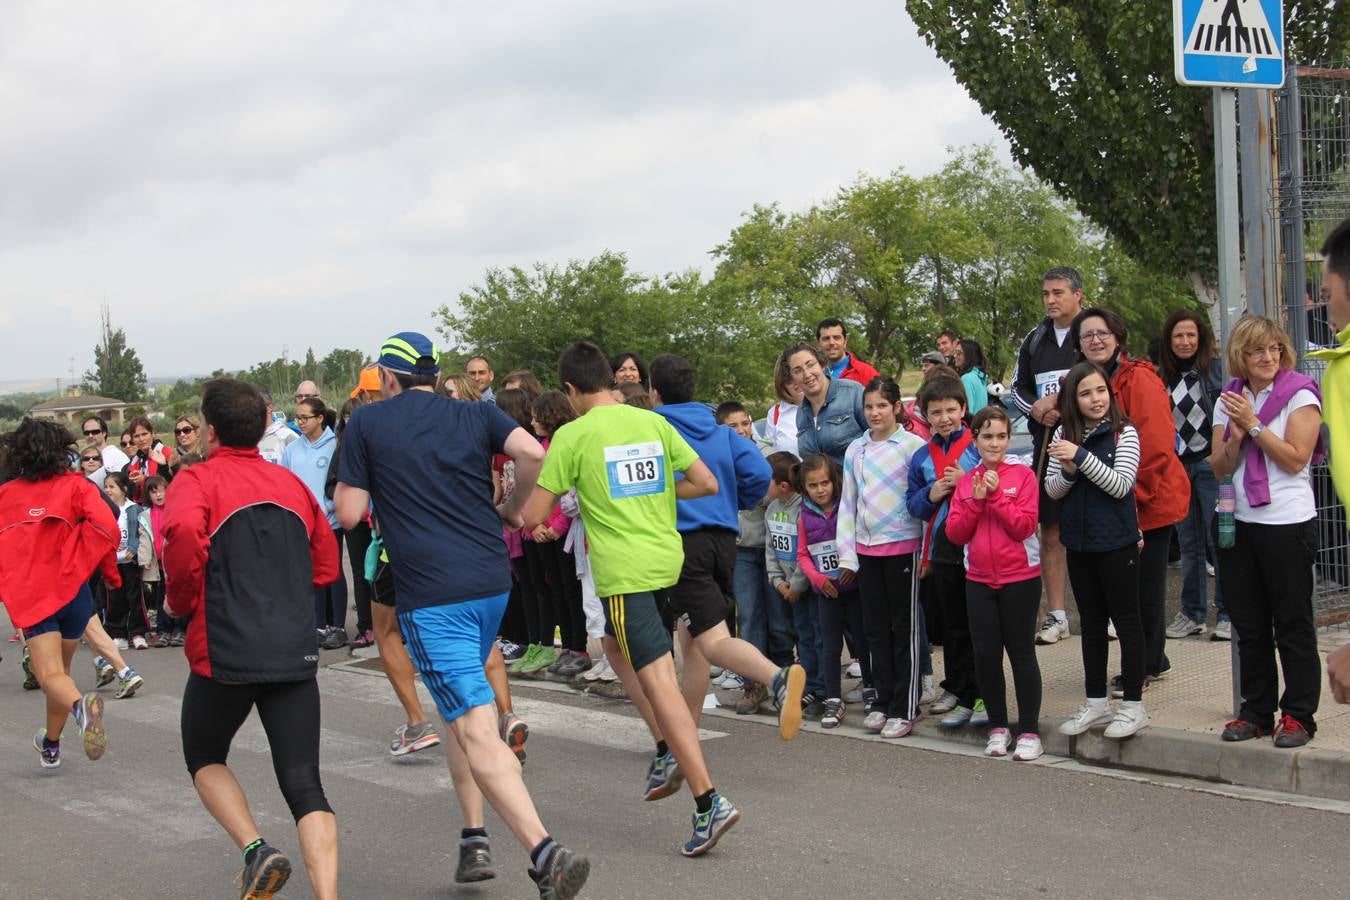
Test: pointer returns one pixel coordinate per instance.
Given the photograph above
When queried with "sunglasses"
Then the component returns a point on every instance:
(91, 459)
(187, 429)
(126, 443)
(88, 433)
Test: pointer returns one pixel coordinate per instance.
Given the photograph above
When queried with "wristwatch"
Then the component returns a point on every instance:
(1255, 431)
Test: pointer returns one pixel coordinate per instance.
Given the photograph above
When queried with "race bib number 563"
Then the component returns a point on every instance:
(636, 469)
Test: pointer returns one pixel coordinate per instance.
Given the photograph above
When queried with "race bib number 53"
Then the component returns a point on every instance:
(636, 469)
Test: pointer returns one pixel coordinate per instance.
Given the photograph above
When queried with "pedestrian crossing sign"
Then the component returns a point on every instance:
(1229, 43)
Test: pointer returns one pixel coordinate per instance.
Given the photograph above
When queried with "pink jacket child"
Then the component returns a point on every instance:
(999, 532)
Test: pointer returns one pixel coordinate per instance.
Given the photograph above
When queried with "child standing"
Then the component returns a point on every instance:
(933, 474)
(552, 411)
(169, 631)
(993, 513)
(126, 619)
(1094, 458)
(877, 543)
(832, 600)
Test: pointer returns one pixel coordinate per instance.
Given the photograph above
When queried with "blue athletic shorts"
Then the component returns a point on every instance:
(449, 645)
(70, 620)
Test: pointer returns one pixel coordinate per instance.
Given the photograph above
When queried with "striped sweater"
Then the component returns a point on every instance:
(872, 510)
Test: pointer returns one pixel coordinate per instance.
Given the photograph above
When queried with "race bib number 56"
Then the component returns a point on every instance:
(825, 557)
(636, 469)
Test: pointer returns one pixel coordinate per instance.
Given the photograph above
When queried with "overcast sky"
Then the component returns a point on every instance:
(232, 178)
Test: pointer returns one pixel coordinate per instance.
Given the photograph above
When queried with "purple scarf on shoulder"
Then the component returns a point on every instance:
(1255, 477)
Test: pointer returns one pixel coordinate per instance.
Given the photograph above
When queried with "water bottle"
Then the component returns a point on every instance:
(1227, 508)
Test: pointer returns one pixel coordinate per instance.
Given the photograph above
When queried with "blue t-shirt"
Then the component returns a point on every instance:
(427, 462)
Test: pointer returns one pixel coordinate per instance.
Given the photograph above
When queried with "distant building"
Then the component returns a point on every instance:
(76, 406)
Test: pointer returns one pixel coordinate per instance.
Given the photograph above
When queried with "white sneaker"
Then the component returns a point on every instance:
(998, 742)
(1129, 719)
(1028, 747)
(139, 642)
(595, 671)
(957, 717)
(1183, 626)
(898, 728)
(730, 681)
(854, 669)
(1096, 711)
(121, 644)
(1053, 631)
(1223, 631)
(1209, 568)
(609, 676)
(927, 693)
(944, 704)
(874, 721)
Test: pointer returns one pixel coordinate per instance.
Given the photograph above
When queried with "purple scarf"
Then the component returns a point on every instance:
(1255, 477)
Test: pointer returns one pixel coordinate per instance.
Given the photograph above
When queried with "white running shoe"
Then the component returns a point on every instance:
(1028, 747)
(927, 693)
(1183, 626)
(1111, 631)
(1096, 711)
(595, 671)
(1130, 718)
(854, 669)
(944, 704)
(874, 721)
(898, 728)
(1223, 631)
(1209, 569)
(1053, 631)
(958, 716)
(121, 643)
(998, 742)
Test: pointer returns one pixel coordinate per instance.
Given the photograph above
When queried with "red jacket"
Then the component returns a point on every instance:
(1162, 490)
(53, 534)
(245, 544)
(999, 531)
(858, 371)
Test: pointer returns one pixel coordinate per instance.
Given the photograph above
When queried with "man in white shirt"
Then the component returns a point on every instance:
(277, 436)
(96, 437)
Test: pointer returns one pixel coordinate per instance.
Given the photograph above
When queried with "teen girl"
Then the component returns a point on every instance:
(1094, 459)
(552, 410)
(819, 480)
(878, 539)
(993, 513)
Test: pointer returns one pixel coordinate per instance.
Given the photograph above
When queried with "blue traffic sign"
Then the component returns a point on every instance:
(1229, 43)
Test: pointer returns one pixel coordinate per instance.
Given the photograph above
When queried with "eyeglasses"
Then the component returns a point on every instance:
(186, 429)
(299, 397)
(88, 433)
(1092, 337)
(307, 418)
(91, 459)
(126, 443)
(1275, 351)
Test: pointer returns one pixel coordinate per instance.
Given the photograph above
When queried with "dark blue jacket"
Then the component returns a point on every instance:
(1092, 521)
(735, 461)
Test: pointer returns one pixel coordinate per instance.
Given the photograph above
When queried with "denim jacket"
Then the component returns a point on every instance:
(838, 424)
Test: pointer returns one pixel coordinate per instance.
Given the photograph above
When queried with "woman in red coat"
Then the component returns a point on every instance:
(55, 529)
(1162, 491)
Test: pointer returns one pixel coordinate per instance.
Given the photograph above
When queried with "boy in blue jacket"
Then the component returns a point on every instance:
(933, 473)
(708, 527)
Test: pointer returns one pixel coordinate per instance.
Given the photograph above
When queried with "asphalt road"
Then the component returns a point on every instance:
(823, 816)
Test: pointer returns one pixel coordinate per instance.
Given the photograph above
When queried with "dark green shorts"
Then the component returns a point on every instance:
(635, 622)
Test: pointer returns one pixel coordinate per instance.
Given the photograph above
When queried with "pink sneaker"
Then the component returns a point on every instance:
(364, 639)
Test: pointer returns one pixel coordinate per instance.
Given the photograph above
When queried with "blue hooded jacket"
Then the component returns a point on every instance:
(310, 461)
(733, 459)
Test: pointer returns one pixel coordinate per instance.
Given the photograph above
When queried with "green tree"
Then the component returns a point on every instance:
(341, 367)
(1084, 93)
(117, 371)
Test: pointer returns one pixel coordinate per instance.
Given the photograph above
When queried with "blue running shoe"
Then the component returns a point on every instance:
(49, 756)
(663, 777)
(788, 686)
(710, 826)
(104, 672)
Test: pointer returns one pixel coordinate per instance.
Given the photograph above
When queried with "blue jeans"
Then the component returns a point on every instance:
(806, 619)
(762, 617)
(1194, 535)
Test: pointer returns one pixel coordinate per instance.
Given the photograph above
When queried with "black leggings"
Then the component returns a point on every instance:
(560, 567)
(1153, 597)
(1004, 619)
(1106, 585)
(125, 617)
(835, 613)
(541, 610)
(958, 653)
(890, 611)
(358, 542)
(289, 710)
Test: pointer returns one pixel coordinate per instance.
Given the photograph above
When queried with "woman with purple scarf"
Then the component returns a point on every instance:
(1266, 434)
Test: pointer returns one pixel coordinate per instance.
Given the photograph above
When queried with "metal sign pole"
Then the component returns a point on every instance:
(1229, 215)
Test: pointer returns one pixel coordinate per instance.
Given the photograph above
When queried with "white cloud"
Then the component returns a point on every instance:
(230, 179)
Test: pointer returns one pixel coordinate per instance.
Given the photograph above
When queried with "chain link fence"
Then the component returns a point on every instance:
(1311, 195)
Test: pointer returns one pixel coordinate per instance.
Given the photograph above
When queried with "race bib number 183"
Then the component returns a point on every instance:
(636, 469)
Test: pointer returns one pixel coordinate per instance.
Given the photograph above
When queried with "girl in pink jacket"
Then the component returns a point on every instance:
(993, 513)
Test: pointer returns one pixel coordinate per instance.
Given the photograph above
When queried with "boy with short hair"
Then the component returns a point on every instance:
(933, 473)
(622, 461)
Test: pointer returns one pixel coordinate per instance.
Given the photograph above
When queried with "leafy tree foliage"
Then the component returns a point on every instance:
(117, 371)
(1083, 90)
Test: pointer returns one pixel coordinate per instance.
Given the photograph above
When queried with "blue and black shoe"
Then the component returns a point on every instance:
(710, 826)
(50, 756)
(663, 777)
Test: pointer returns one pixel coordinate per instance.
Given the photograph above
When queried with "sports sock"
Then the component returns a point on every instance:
(661, 748)
(124, 671)
(252, 849)
(704, 800)
(49, 743)
(469, 836)
(539, 855)
(1060, 615)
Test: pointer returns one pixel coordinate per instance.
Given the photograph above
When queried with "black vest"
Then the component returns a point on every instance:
(1090, 520)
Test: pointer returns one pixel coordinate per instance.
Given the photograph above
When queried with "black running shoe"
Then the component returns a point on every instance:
(475, 863)
(563, 876)
(267, 874)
